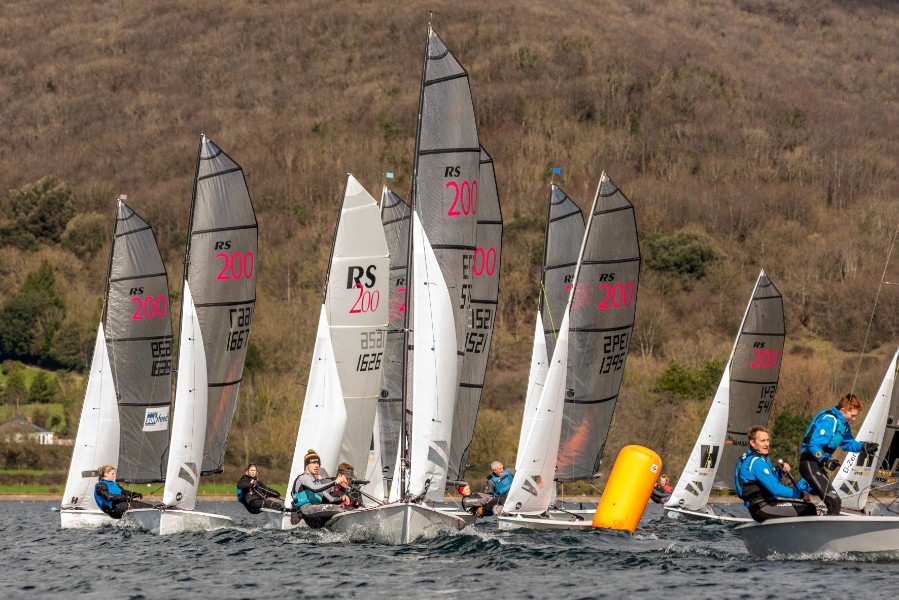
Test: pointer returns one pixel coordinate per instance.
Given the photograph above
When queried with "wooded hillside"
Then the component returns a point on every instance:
(749, 134)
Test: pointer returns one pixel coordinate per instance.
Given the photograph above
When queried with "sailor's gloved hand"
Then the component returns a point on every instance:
(137, 496)
(831, 464)
(871, 447)
(806, 497)
(277, 494)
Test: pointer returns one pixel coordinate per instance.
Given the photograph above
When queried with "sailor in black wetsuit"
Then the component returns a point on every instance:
(112, 498)
(254, 495)
(480, 505)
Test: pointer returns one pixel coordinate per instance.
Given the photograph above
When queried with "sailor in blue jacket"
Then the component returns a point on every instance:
(499, 482)
(828, 431)
(758, 483)
(112, 498)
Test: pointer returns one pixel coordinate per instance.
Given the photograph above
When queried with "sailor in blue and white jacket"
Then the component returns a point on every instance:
(828, 431)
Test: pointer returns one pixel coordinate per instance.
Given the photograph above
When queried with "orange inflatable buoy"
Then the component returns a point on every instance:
(628, 489)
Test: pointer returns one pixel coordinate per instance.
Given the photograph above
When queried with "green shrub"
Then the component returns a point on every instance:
(686, 383)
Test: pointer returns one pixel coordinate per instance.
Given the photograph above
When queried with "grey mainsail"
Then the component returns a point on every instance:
(754, 373)
(562, 244)
(601, 312)
(395, 215)
(220, 268)
(138, 327)
(481, 319)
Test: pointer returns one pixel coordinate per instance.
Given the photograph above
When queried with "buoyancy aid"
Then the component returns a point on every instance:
(114, 489)
(748, 491)
(502, 483)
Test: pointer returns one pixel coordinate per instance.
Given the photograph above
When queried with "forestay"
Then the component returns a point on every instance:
(602, 311)
(485, 269)
(752, 346)
(861, 472)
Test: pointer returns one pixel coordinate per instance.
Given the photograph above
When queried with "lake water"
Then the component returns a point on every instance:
(664, 559)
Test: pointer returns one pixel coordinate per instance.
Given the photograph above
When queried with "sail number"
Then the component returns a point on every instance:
(615, 349)
(371, 340)
(487, 264)
(237, 265)
(613, 295)
(767, 399)
(149, 307)
(765, 359)
(240, 337)
(465, 198)
(162, 358)
(367, 301)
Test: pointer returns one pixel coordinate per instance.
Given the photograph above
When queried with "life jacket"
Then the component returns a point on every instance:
(502, 483)
(839, 433)
(749, 491)
(105, 505)
(304, 496)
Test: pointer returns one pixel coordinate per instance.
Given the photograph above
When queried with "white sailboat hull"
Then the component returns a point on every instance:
(510, 522)
(699, 515)
(395, 524)
(825, 534)
(76, 518)
(278, 519)
(172, 521)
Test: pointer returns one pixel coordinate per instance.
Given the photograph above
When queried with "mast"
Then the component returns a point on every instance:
(407, 388)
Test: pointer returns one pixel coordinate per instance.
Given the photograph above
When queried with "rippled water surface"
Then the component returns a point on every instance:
(663, 559)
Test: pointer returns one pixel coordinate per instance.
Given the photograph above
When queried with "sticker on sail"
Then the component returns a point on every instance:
(156, 419)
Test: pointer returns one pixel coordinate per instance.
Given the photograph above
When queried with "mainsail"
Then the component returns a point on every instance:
(395, 216)
(344, 380)
(124, 420)
(481, 318)
(602, 309)
(443, 234)
(563, 237)
(750, 378)
(216, 315)
(754, 375)
(862, 472)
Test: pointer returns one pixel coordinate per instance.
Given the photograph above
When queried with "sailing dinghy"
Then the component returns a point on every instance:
(846, 533)
(125, 416)
(216, 316)
(344, 379)
(582, 379)
(441, 247)
(744, 397)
